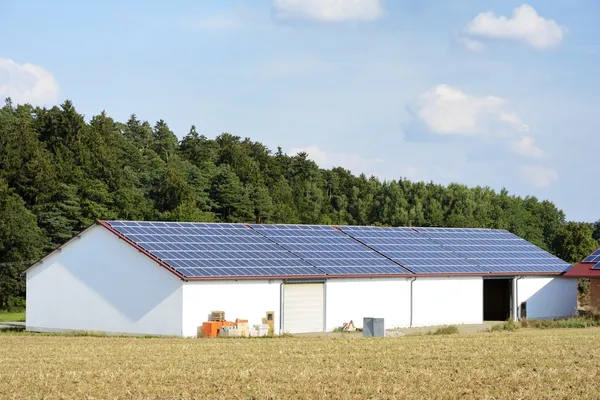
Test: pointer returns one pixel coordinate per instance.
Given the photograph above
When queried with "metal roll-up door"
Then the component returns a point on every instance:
(303, 307)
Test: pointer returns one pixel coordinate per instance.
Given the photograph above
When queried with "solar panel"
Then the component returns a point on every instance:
(210, 250)
(594, 257)
(412, 250)
(455, 250)
(238, 250)
(496, 251)
(329, 249)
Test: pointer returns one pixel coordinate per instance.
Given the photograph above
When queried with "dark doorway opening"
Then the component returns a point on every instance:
(496, 299)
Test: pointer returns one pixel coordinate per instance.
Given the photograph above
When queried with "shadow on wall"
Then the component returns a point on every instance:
(100, 271)
(133, 297)
(556, 298)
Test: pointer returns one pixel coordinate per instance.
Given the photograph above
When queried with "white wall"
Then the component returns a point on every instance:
(239, 299)
(353, 299)
(100, 283)
(446, 301)
(548, 297)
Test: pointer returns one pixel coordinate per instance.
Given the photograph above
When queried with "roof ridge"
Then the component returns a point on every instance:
(371, 248)
(289, 251)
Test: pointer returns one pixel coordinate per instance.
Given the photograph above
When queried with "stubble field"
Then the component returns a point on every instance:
(528, 364)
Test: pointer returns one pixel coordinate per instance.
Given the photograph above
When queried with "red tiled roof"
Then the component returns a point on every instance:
(583, 270)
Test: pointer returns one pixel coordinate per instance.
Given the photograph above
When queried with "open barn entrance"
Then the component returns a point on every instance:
(497, 294)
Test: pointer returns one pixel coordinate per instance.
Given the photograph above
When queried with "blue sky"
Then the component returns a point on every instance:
(491, 93)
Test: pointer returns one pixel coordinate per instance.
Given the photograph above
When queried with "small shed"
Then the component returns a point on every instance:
(589, 268)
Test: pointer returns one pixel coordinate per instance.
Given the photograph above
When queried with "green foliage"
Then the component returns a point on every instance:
(59, 173)
(574, 241)
(509, 326)
(20, 239)
(587, 320)
(446, 330)
(584, 321)
(14, 316)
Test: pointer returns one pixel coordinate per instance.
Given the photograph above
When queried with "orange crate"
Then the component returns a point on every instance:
(210, 329)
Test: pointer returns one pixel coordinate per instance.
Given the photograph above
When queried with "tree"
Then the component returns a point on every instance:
(61, 172)
(231, 202)
(21, 242)
(574, 242)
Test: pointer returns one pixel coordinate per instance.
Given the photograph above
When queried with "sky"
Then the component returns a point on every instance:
(494, 93)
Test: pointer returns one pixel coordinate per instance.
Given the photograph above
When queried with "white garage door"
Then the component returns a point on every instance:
(303, 307)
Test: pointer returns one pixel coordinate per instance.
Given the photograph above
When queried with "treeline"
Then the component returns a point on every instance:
(59, 173)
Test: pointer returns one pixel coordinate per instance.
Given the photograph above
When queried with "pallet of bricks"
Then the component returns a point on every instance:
(215, 324)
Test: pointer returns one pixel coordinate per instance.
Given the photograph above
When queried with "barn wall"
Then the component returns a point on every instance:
(353, 299)
(239, 299)
(100, 283)
(595, 293)
(548, 297)
(444, 301)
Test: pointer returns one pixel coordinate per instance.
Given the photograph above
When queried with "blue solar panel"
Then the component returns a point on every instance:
(238, 250)
(209, 250)
(594, 257)
(455, 250)
(411, 249)
(330, 250)
(496, 251)
(596, 266)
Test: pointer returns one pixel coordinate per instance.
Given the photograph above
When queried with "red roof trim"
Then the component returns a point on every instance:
(365, 276)
(309, 277)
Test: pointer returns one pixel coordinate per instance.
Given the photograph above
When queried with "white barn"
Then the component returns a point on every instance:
(165, 278)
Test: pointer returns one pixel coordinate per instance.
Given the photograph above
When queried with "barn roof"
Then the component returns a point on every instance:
(249, 251)
(588, 268)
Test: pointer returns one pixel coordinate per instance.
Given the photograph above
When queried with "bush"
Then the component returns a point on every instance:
(15, 304)
(446, 330)
(584, 320)
(509, 326)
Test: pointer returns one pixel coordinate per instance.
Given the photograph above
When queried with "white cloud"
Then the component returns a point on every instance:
(446, 110)
(527, 147)
(525, 25)
(353, 162)
(27, 83)
(471, 44)
(328, 10)
(539, 175)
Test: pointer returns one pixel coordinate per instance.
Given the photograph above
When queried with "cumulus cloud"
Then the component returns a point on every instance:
(539, 176)
(27, 83)
(525, 25)
(471, 44)
(447, 110)
(353, 162)
(328, 10)
(527, 147)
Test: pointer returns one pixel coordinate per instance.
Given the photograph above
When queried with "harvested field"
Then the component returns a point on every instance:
(528, 364)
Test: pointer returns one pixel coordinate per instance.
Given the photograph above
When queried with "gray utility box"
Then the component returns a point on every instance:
(373, 327)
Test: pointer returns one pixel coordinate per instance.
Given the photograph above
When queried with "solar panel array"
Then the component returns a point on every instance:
(329, 249)
(496, 251)
(209, 250)
(594, 257)
(415, 251)
(238, 250)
